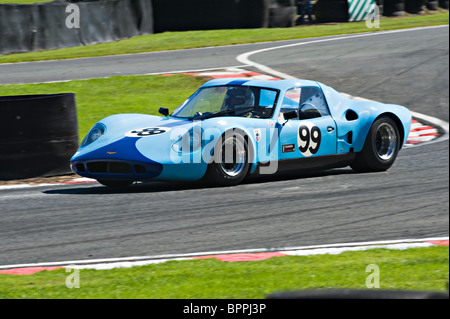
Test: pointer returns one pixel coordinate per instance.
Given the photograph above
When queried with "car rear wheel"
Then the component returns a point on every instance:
(381, 147)
(230, 163)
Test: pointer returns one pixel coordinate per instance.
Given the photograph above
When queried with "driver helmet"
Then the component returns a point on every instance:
(239, 97)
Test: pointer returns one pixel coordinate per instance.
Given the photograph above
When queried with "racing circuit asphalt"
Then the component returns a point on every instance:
(411, 200)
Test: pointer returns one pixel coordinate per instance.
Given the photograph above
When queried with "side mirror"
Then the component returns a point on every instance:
(163, 111)
(290, 115)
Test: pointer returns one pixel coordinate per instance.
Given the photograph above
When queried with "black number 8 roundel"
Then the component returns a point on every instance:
(143, 132)
(308, 139)
(148, 131)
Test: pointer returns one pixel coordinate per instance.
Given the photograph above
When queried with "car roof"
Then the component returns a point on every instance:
(277, 84)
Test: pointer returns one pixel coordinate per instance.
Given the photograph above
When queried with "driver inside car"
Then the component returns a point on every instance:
(238, 98)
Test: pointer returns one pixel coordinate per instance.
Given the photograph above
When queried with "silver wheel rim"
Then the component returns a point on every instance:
(386, 141)
(232, 156)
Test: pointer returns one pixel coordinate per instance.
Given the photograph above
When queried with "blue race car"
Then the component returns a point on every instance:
(233, 128)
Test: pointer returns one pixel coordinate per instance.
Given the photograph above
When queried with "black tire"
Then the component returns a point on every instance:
(433, 5)
(393, 8)
(331, 11)
(380, 148)
(443, 4)
(115, 183)
(228, 169)
(414, 6)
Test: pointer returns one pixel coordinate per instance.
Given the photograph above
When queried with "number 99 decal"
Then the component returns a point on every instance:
(308, 139)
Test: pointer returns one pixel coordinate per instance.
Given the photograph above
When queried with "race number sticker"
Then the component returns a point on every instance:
(150, 131)
(308, 138)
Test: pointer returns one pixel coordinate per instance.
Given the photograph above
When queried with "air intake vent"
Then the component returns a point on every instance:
(109, 167)
(351, 115)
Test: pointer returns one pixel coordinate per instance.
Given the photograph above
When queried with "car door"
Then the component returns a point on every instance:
(313, 132)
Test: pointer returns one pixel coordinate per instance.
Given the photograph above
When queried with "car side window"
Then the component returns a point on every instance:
(291, 100)
(312, 103)
(267, 98)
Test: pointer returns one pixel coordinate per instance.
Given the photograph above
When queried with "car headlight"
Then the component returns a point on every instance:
(189, 142)
(94, 134)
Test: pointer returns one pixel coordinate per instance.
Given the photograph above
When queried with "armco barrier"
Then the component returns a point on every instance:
(38, 135)
(42, 26)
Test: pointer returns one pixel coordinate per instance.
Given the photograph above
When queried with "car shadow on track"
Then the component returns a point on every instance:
(154, 187)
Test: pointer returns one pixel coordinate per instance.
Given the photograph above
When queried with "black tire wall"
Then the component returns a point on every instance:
(331, 11)
(393, 8)
(182, 15)
(282, 14)
(415, 6)
(38, 135)
(443, 4)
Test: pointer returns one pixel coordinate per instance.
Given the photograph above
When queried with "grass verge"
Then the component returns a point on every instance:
(419, 269)
(196, 39)
(23, 1)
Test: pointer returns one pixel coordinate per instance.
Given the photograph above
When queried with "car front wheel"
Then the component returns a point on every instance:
(230, 160)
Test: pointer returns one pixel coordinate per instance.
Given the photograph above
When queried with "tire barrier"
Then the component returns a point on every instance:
(443, 4)
(393, 8)
(282, 13)
(50, 25)
(414, 6)
(432, 4)
(358, 294)
(44, 26)
(331, 11)
(38, 135)
(182, 15)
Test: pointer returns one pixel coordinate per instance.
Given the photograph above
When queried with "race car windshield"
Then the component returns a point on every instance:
(228, 101)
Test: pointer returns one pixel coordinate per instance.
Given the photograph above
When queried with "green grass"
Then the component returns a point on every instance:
(99, 98)
(196, 39)
(419, 269)
(23, 1)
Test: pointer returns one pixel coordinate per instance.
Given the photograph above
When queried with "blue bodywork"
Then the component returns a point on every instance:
(143, 147)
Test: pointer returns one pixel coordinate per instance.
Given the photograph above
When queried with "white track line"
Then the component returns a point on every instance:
(244, 58)
(302, 250)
